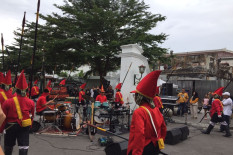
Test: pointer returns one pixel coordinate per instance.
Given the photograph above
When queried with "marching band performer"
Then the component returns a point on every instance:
(81, 93)
(148, 129)
(102, 98)
(42, 103)
(216, 114)
(6, 92)
(118, 96)
(35, 90)
(48, 86)
(18, 120)
(1, 80)
(157, 100)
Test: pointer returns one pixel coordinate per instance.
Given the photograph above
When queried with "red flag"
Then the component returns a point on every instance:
(63, 82)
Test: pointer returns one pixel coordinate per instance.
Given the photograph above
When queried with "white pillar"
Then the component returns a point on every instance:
(131, 53)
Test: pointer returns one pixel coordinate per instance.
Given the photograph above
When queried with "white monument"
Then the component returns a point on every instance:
(131, 53)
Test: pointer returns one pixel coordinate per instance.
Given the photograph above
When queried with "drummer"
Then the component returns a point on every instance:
(42, 103)
(81, 94)
(118, 96)
(101, 98)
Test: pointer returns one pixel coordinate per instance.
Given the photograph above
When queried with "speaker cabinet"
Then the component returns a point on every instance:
(173, 136)
(185, 132)
(119, 148)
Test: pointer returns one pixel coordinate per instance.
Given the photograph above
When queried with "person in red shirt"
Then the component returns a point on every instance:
(1, 80)
(143, 137)
(49, 86)
(35, 91)
(118, 96)
(81, 94)
(216, 114)
(19, 112)
(6, 92)
(42, 103)
(101, 98)
(157, 100)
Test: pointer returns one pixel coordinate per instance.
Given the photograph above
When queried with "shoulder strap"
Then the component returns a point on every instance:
(151, 119)
(4, 95)
(160, 101)
(19, 112)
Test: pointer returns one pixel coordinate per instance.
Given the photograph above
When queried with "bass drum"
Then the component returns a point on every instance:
(70, 122)
(101, 116)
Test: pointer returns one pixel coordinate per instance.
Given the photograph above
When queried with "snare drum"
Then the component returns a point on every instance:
(62, 107)
(97, 104)
(106, 104)
(49, 115)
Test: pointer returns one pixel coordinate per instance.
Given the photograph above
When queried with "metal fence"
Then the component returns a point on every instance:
(202, 86)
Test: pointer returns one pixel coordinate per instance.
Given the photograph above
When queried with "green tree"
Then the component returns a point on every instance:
(95, 29)
(91, 32)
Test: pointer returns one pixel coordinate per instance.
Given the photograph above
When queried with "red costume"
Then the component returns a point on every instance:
(1, 79)
(141, 130)
(101, 98)
(119, 97)
(158, 102)
(4, 95)
(26, 105)
(35, 90)
(217, 107)
(41, 103)
(81, 93)
(48, 86)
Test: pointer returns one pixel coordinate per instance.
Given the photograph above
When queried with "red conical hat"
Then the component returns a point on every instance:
(147, 86)
(7, 80)
(35, 82)
(157, 90)
(102, 89)
(63, 82)
(83, 86)
(21, 82)
(219, 91)
(119, 86)
(1, 77)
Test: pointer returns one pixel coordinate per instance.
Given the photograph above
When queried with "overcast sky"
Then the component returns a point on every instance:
(191, 24)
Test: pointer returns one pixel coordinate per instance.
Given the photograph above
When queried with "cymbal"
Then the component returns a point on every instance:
(86, 97)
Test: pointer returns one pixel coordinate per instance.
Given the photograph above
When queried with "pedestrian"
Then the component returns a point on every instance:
(92, 92)
(227, 109)
(205, 104)
(216, 114)
(194, 104)
(182, 101)
(96, 92)
(18, 120)
(148, 129)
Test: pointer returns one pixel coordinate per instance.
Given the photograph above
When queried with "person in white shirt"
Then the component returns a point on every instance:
(227, 108)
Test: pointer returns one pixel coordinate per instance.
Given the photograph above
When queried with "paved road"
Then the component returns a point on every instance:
(196, 144)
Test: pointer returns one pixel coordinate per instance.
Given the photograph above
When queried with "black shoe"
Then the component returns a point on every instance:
(208, 130)
(228, 134)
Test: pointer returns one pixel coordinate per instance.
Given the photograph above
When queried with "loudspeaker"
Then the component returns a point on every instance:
(185, 132)
(173, 136)
(167, 89)
(119, 148)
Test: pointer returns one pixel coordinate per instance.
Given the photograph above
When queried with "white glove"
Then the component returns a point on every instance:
(219, 116)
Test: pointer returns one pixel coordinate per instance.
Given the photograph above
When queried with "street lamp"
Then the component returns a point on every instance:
(141, 71)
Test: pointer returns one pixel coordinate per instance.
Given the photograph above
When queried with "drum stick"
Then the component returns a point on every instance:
(104, 130)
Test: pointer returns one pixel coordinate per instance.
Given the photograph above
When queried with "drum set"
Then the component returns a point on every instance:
(61, 117)
(69, 116)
